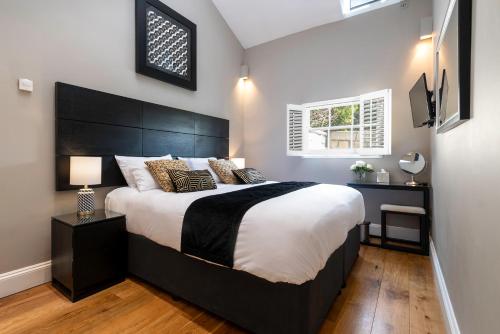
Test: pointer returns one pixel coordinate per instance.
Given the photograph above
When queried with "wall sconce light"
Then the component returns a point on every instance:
(244, 72)
(426, 28)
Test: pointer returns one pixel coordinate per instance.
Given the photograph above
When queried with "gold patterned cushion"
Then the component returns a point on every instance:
(193, 180)
(224, 169)
(159, 170)
(249, 175)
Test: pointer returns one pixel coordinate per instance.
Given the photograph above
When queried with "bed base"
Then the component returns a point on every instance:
(248, 301)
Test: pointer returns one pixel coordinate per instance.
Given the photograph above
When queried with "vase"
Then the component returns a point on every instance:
(361, 176)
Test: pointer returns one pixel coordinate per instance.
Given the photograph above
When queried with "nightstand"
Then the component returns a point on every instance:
(89, 254)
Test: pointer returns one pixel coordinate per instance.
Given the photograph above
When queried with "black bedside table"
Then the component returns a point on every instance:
(89, 254)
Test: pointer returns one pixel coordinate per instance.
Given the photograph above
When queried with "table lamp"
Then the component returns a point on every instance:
(239, 162)
(85, 171)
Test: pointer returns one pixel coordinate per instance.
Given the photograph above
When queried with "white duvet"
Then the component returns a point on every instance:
(285, 239)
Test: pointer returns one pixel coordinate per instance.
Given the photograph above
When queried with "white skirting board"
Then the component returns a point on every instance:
(444, 297)
(24, 278)
(397, 232)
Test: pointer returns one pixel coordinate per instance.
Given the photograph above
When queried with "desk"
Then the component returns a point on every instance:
(422, 191)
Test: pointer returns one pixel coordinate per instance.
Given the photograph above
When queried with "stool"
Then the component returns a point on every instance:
(389, 243)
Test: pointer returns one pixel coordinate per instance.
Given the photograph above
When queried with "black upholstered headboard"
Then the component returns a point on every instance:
(93, 123)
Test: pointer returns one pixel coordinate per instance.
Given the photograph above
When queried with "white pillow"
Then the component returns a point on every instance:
(201, 164)
(127, 163)
(144, 180)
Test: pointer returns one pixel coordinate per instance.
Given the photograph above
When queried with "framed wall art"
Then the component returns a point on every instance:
(165, 44)
(453, 67)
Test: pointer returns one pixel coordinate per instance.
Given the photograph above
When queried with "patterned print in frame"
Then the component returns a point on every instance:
(165, 44)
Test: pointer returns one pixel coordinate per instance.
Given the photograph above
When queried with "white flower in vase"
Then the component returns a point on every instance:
(360, 163)
(361, 168)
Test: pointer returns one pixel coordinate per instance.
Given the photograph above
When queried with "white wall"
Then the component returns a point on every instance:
(89, 43)
(369, 52)
(465, 166)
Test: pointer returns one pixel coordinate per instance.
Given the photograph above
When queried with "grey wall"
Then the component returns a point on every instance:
(467, 187)
(88, 43)
(365, 53)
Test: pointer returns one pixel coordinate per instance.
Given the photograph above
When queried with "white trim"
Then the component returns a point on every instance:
(386, 94)
(351, 153)
(347, 12)
(338, 156)
(444, 297)
(398, 232)
(294, 107)
(450, 123)
(336, 102)
(24, 278)
(453, 120)
(447, 18)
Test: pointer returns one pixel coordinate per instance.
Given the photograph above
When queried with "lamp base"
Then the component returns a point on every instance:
(86, 202)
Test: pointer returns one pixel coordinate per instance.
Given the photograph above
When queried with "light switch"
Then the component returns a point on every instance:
(26, 85)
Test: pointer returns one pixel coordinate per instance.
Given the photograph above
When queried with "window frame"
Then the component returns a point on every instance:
(294, 107)
(369, 2)
(347, 11)
(351, 152)
(329, 105)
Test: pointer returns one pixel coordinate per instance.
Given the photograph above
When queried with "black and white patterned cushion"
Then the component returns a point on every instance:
(193, 180)
(249, 175)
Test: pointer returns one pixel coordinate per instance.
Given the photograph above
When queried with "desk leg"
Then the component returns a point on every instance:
(424, 234)
(383, 227)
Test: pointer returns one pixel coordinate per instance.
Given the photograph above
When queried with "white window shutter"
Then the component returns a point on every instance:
(295, 129)
(376, 122)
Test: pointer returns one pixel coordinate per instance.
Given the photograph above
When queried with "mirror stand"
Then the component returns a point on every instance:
(412, 163)
(412, 181)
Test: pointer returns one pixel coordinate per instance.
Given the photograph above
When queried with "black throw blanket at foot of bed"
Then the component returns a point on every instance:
(211, 223)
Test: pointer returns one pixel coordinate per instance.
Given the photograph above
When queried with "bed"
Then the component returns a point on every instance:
(292, 255)
(293, 252)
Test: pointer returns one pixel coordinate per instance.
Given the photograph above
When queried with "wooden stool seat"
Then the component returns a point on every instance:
(397, 244)
(402, 209)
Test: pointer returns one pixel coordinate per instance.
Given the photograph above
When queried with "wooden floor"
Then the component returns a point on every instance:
(387, 292)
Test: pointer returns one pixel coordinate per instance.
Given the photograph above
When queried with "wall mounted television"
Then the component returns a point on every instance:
(422, 107)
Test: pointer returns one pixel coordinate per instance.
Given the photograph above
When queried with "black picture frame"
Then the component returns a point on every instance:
(154, 68)
(454, 119)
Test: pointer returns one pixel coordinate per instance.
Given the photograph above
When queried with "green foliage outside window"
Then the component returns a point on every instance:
(319, 118)
(339, 116)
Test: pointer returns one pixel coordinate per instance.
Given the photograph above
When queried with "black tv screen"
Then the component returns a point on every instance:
(421, 105)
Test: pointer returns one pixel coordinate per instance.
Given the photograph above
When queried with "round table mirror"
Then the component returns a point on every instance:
(412, 163)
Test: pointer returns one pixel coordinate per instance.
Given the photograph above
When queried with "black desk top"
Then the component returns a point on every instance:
(393, 186)
(99, 216)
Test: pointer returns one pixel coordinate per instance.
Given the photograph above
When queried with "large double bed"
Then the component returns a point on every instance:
(292, 253)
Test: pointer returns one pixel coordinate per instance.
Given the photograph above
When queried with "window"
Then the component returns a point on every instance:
(355, 7)
(360, 3)
(357, 126)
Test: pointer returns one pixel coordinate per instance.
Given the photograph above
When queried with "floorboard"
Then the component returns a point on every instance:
(393, 310)
(387, 292)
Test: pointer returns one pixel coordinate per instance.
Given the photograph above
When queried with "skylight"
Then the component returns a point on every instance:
(354, 4)
(355, 7)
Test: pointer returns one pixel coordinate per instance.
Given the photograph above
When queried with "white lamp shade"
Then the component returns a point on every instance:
(85, 171)
(239, 162)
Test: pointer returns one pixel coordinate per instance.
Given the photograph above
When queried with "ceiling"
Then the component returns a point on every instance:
(258, 21)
